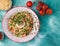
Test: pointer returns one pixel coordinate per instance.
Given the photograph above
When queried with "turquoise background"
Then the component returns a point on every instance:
(49, 33)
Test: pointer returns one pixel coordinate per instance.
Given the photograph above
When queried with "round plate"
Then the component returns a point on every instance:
(32, 33)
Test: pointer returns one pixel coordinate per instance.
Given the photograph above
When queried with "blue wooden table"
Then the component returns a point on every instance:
(49, 33)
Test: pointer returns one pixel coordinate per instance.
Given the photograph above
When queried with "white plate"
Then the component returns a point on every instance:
(32, 34)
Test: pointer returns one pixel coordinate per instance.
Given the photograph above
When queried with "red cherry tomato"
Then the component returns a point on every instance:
(29, 4)
(40, 3)
(12, 30)
(42, 12)
(38, 8)
(49, 11)
(44, 7)
(1, 36)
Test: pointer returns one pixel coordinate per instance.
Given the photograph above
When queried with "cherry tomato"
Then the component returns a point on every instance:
(49, 11)
(12, 30)
(24, 34)
(42, 12)
(40, 3)
(1, 36)
(44, 7)
(29, 4)
(38, 8)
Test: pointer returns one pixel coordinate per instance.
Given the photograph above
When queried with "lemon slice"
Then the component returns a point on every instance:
(21, 25)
